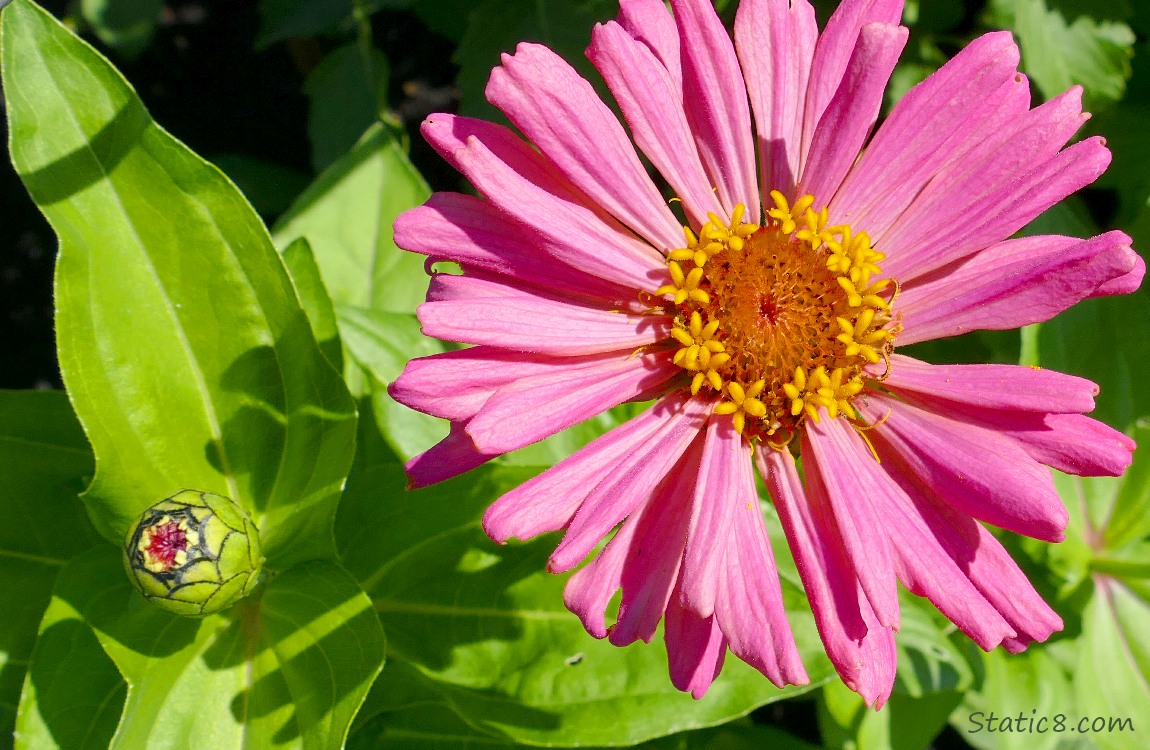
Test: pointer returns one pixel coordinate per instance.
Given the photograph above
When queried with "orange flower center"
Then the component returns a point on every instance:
(781, 319)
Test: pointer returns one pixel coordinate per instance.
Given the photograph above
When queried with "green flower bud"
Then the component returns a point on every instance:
(194, 554)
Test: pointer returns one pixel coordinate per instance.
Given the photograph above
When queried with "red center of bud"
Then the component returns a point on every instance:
(165, 541)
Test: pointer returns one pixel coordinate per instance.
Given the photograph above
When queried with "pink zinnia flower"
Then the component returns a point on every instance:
(766, 328)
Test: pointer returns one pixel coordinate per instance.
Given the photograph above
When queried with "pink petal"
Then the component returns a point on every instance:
(528, 188)
(450, 457)
(988, 566)
(589, 589)
(833, 53)
(850, 115)
(927, 570)
(840, 473)
(656, 553)
(632, 481)
(1124, 284)
(1071, 443)
(454, 385)
(695, 649)
(653, 107)
(726, 482)
(548, 501)
(995, 189)
(553, 403)
(1012, 284)
(862, 651)
(514, 319)
(446, 287)
(775, 40)
(978, 471)
(717, 105)
(749, 607)
(648, 21)
(959, 104)
(471, 231)
(559, 111)
(992, 386)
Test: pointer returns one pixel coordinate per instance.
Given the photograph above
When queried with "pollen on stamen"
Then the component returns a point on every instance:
(778, 319)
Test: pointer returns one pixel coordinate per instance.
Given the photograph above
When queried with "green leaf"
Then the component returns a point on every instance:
(1063, 44)
(348, 92)
(283, 19)
(846, 722)
(1067, 564)
(126, 25)
(933, 671)
(560, 445)
(288, 669)
(1129, 516)
(496, 26)
(73, 695)
(381, 343)
(1113, 672)
(435, 727)
(928, 660)
(45, 462)
(316, 304)
(347, 216)
(1104, 340)
(1129, 172)
(269, 187)
(904, 723)
(183, 345)
(975, 347)
(1029, 684)
(483, 627)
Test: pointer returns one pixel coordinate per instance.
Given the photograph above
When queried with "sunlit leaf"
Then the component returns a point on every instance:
(289, 667)
(1113, 675)
(903, 723)
(73, 695)
(484, 627)
(313, 296)
(45, 462)
(346, 216)
(382, 343)
(1128, 516)
(928, 661)
(181, 340)
(1032, 685)
(1063, 44)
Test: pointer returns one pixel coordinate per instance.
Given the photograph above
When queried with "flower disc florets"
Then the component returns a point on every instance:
(779, 318)
(194, 553)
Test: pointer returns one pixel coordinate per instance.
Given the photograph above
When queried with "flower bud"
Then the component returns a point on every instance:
(194, 553)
